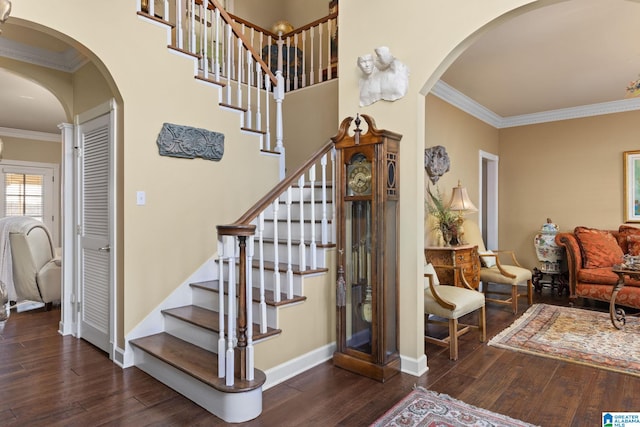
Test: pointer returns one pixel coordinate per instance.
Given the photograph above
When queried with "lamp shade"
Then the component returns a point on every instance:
(460, 200)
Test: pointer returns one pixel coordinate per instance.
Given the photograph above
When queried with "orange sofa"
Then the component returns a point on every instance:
(591, 254)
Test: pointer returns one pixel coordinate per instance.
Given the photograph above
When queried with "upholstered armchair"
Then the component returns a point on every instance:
(451, 303)
(494, 271)
(37, 271)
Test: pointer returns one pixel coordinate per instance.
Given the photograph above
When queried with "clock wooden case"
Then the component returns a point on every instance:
(367, 214)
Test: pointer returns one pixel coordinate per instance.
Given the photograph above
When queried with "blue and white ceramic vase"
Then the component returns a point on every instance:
(548, 252)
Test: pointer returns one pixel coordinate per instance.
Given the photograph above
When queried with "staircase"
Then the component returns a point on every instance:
(205, 350)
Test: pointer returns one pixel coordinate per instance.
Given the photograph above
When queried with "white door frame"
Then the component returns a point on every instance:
(488, 195)
(69, 324)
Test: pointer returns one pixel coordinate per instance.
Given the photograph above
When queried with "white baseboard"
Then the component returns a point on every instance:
(296, 366)
(416, 367)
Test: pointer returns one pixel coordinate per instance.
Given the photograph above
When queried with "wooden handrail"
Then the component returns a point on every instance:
(242, 225)
(285, 35)
(238, 32)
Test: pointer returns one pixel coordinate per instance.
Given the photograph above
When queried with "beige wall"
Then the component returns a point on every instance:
(266, 13)
(310, 119)
(463, 136)
(89, 88)
(28, 150)
(570, 171)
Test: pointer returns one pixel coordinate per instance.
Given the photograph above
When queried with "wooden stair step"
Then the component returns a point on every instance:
(210, 320)
(194, 361)
(214, 286)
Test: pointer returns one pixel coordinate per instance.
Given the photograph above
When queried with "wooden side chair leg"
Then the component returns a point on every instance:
(514, 299)
(453, 339)
(530, 292)
(482, 322)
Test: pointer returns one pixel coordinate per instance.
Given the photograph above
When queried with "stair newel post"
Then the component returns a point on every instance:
(248, 309)
(289, 202)
(231, 315)
(263, 303)
(221, 341)
(312, 247)
(276, 252)
(324, 221)
(302, 248)
(241, 325)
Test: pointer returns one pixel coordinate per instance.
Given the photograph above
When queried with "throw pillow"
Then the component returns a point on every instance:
(487, 261)
(599, 248)
(624, 231)
(428, 269)
(633, 244)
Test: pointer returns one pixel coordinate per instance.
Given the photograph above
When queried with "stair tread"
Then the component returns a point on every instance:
(194, 361)
(209, 319)
(214, 285)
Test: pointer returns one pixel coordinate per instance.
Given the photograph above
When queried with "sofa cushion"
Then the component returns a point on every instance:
(598, 247)
(603, 276)
(633, 245)
(624, 232)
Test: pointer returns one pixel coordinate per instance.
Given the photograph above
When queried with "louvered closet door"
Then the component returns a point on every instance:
(95, 257)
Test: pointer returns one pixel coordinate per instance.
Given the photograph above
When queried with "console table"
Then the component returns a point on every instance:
(465, 256)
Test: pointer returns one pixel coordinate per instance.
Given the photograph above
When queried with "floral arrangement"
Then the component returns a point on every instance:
(446, 219)
(634, 88)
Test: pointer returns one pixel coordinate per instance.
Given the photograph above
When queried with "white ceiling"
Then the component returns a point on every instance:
(570, 54)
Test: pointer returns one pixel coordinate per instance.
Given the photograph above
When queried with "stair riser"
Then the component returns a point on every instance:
(295, 211)
(270, 280)
(295, 230)
(193, 334)
(210, 300)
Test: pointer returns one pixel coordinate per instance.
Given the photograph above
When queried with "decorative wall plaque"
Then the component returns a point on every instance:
(189, 142)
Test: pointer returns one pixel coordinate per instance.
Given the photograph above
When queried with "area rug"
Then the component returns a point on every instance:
(574, 335)
(424, 407)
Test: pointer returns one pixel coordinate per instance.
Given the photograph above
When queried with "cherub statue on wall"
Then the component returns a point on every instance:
(384, 77)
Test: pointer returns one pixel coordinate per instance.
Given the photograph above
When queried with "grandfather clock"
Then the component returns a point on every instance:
(367, 197)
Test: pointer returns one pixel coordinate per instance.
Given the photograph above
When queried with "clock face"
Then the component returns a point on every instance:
(359, 178)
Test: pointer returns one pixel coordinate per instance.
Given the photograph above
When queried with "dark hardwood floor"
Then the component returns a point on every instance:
(46, 379)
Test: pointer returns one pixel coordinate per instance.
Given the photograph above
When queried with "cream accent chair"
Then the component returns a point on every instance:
(492, 270)
(451, 303)
(37, 271)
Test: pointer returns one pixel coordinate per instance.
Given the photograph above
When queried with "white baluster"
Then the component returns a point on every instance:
(248, 121)
(216, 50)
(165, 10)
(304, 59)
(179, 23)
(192, 28)
(249, 307)
(311, 70)
(288, 72)
(276, 257)
(263, 303)
(319, 53)
(295, 62)
(239, 85)
(312, 248)
(289, 252)
(267, 135)
(329, 49)
(258, 100)
(204, 43)
(228, 59)
(152, 5)
(325, 221)
(231, 313)
(302, 246)
(221, 341)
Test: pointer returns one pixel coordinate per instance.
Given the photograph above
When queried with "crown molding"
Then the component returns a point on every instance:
(68, 61)
(468, 105)
(30, 134)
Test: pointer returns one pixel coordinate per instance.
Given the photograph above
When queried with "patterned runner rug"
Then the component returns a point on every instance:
(574, 335)
(424, 407)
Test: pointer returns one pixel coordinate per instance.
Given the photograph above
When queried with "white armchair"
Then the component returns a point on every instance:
(37, 271)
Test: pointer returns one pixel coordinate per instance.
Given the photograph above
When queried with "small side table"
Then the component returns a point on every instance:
(617, 315)
(557, 280)
(465, 256)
